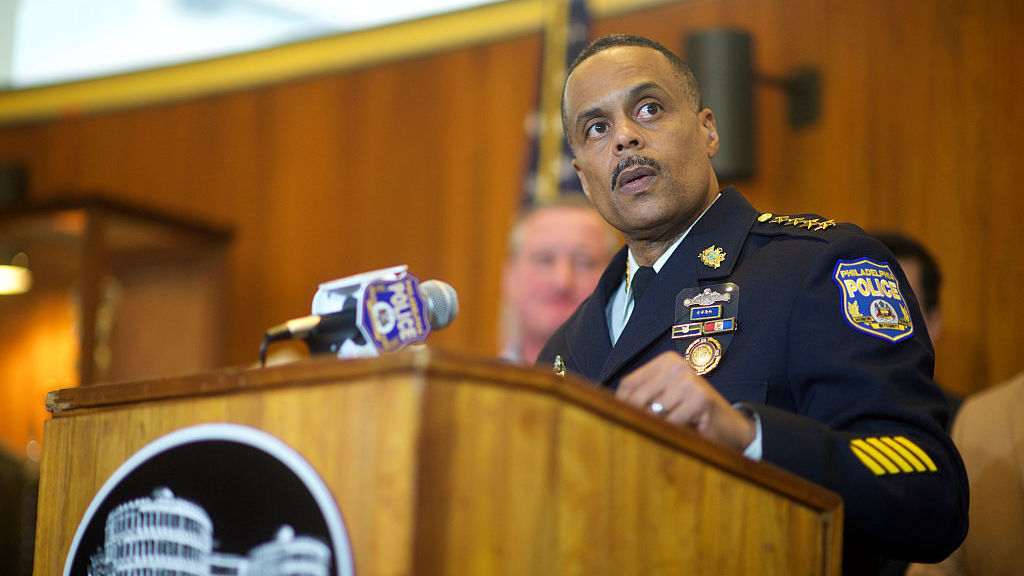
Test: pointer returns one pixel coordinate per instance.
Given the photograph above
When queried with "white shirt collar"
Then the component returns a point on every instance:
(620, 307)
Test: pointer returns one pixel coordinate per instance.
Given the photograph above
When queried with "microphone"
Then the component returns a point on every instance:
(442, 307)
(364, 315)
(442, 303)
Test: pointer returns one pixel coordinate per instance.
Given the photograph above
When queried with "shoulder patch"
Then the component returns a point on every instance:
(796, 221)
(872, 301)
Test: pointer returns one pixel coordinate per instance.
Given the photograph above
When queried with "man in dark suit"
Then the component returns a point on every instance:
(925, 279)
(788, 338)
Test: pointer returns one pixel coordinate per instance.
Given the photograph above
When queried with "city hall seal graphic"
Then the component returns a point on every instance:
(212, 500)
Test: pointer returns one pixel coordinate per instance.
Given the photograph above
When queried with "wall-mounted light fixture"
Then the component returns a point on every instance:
(15, 275)
(722, 62)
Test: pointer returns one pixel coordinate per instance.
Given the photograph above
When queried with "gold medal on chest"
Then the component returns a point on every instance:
(703, 354)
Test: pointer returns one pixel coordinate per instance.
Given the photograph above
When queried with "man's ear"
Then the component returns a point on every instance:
(583, 179)
(707, 120)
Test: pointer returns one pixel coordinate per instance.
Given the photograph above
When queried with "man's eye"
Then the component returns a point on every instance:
(541, 259)
(649, 110)
(586, 263)
(596, 129)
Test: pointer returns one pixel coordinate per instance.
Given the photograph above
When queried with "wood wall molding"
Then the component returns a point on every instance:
(327, 55)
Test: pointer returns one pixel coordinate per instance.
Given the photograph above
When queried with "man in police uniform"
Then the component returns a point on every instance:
(788, 338)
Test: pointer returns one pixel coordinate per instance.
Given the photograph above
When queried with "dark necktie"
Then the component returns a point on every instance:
(640, 281)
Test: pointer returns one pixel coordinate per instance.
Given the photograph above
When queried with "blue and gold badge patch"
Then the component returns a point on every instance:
(872, 301)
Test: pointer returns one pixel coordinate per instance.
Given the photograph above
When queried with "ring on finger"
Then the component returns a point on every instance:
(656, 408)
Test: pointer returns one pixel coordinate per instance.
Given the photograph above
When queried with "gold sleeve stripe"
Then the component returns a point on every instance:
(891, 454)
(871, 464)
(905, 453)
(876, 455)
(917, 452)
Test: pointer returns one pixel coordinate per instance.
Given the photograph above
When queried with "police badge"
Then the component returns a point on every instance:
(705, 324)
(703, 354)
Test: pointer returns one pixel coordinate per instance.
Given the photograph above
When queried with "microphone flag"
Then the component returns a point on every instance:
(391, 314)
(395, 313)
(370, 313)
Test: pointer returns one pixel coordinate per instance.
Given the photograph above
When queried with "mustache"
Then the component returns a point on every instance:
(631, 162)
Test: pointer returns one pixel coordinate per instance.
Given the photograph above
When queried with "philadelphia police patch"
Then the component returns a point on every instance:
(872, 301)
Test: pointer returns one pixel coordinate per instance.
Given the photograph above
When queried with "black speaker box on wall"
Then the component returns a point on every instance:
(722, 62)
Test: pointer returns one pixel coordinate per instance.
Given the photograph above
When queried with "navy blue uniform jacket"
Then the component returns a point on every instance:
(832, 399)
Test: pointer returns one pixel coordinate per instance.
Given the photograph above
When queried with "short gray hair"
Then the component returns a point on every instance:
(612, 240)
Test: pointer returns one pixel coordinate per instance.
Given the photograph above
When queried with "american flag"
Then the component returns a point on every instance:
(549, 172)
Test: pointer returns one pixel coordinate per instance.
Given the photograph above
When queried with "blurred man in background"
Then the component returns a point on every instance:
(987, 435)
(925, 279)
(556, 252)
(923, 273)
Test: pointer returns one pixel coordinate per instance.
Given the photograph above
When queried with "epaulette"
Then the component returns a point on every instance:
(810, 222)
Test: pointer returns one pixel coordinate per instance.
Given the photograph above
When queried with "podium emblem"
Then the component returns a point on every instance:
(211, 499)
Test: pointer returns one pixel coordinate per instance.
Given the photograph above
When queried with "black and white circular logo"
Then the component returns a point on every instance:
(212, 500)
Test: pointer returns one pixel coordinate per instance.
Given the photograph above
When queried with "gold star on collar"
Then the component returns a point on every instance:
(712, 256)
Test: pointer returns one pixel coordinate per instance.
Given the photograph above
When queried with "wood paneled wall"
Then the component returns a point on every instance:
(420, 161)
(416, 163)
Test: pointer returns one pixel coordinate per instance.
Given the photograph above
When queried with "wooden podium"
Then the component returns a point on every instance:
(442, 464)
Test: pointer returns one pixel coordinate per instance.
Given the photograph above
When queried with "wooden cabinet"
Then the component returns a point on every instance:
(119, 293)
